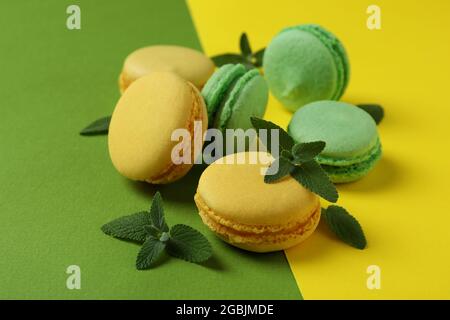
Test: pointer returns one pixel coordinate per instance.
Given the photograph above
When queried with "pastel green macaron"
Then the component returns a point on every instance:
(352, 143)
(233, 95)
(306, 63)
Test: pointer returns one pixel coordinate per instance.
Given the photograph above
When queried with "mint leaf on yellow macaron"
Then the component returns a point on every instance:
(98, 127)
(283, 168)
(285, 140)
(311, 175)
(345, 226)
(188, 244)
(375, 110)
(304, 152)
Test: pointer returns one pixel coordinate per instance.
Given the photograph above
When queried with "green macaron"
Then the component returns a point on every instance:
(233, 95)
(306, 63)
(352, 143)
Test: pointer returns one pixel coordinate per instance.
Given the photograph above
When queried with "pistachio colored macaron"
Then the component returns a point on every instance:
(234, 201)
(233, 95)
(188, 63)
(353, 146)
(142, 124)
(306, 63)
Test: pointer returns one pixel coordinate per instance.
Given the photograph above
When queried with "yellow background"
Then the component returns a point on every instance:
(402, 205)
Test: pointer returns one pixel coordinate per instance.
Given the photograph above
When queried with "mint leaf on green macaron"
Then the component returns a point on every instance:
(151, 229)
(311, 175)
(227, 58)
(285, 140)
(188, 244)
(98, 127)
(375, 110)
(245, 57)
(345, 226)
(304, 152)
(244, 45)
(258, 57)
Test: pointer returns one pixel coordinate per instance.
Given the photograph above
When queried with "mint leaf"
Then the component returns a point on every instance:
(152, 231)
(345, 226)
(304, 152)
(227, 58)
(129, 227)
(244, 44)
(284, 168)
(285, 140)
(188, 244)
(151, 250)
(375, 110)
(311, 175)
(157, 213)
(258, 57)
(100, 126)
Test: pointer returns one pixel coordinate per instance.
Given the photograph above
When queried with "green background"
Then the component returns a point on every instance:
(58, 188)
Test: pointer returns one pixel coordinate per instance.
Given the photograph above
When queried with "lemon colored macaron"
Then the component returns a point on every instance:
(146, 115)
(234, 201)
(188, 63)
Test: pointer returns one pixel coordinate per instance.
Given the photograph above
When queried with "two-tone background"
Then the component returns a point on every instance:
(57, 188)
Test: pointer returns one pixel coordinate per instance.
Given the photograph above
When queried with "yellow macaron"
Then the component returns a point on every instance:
(146, 115)
(189, 64)
(235, 202)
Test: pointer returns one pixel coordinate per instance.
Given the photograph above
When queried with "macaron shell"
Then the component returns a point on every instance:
(299, 69)
(238, 193)
(267, 242)
(217, 86)
(188, 63)
(348, 131)
(235, 202)
(142, 123)
(338, 52)
(248, 98)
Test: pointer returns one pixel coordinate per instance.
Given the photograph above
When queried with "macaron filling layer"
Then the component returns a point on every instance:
(243, 234)
(218, 86)
(354, 171)
(340, 161)
(225, 108)
(336, 50)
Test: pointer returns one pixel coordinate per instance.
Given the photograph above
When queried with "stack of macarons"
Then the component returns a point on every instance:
(160, 93)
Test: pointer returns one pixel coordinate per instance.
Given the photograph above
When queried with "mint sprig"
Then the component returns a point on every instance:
(345, 226)
(298, 160)
(150, 229)
(98, 127)
(247, 57)
(374, 110)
